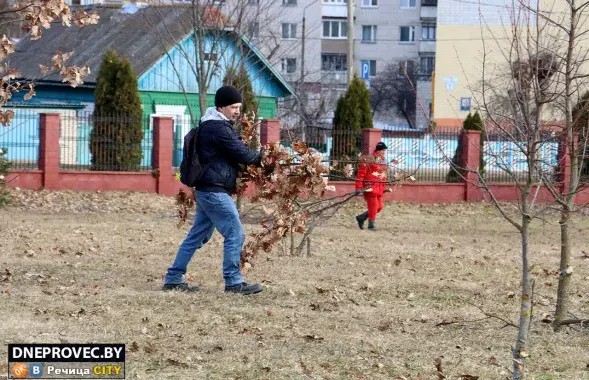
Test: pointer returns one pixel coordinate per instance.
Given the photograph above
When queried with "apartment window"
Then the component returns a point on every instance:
(372, 71)
(289, 31)
(407, 34)
(334, 62)
(289, 65)
(370, 3)
(335, 1)
(428, 32)
(427, 65)
(211, 57)
(254, 29)
(335, 29)
(408, 3)
(406, 66)
(289, 2)
(369, 33)
(76, 2)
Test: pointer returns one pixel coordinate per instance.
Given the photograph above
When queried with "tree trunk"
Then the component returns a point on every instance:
(525, 319)
(565, 273)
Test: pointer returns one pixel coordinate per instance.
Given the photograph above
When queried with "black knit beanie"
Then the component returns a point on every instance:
(226, 96)
(381, 146)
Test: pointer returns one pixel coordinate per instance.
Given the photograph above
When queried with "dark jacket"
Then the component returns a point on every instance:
(220, 152)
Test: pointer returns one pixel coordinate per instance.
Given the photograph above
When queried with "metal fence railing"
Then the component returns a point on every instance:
(506, 160)
(113, 142)
(20, 139)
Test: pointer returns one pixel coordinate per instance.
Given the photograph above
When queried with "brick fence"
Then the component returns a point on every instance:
(162, 179)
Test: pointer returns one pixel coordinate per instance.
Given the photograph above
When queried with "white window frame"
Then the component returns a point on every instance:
(292, 31)
(411, 34)
(406, 4)
(427, 26)
(370, 3)
(373, 30)
(343, 26)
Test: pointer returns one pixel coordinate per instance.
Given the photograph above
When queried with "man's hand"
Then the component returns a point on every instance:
(358, 192)
(388, 190)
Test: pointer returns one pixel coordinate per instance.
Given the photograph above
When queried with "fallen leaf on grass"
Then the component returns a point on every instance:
(385, 326)
(6, 275)
(134, 347)
(438, 363)
(320, 290)
(468, 377)
(177, 363)
(445, 322)
(150, 348)
(266, 369)
(313, 338)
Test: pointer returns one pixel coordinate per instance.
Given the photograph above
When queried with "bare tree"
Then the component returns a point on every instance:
(531, 79)
(392, 91)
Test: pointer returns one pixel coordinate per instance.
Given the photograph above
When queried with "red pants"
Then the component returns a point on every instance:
(375, 205)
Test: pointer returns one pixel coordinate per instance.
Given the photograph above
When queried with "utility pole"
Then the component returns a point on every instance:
(302, 92)
(350, 41)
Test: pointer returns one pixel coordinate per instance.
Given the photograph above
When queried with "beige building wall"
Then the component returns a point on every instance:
(474, 42)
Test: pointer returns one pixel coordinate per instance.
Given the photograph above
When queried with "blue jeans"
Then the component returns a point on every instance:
(213, 210)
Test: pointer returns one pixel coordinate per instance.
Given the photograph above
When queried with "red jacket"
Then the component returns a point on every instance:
(372, 173)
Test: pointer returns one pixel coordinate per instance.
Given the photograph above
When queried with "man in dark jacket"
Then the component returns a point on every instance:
(220, 152)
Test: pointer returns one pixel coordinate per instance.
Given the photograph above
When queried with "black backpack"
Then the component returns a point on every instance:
(191, 169)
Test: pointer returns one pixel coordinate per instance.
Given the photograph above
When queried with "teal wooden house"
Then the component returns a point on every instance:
(161, 48)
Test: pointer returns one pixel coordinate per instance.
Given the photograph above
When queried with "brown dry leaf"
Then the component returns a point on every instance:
(468, 377)
(266, 369)
(385, 326)
(134, 347)
(150, 348)
(440, 373)
(177, 363)
(313, 338)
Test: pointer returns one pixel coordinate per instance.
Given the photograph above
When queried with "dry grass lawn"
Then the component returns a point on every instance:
(366, 305)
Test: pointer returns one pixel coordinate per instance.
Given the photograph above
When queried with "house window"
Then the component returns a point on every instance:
(406, 67)
(334, 62)
(369, 33)
(370, 3)
(407, 34)
(76, 2)
(335, 29)
(289, 65)
(289, 31)
(428, 32)
(211, 57)
(427, 65)
(289, 2)
(335, 1)
(254, 29)
(372, 67)
(408, 3)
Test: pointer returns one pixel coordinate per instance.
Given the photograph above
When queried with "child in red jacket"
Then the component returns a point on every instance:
(371, 180)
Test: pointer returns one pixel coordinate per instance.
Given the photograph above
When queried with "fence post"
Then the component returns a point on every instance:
(370, 137)
(163, 146)
(269, 131)
(49, 133)
(471, 159)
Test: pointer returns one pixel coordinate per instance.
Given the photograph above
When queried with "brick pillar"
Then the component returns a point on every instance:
(49, 132)
(269, 131)
(163, 146)
(470, 159)
(370, 137)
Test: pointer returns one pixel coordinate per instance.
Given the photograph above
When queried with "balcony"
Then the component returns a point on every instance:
(334, 77)
(427, 47)
(334, 10)
(428, 13)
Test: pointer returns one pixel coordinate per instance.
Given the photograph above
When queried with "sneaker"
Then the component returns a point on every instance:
(244, 288)
(183, 287)
(371, 225)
